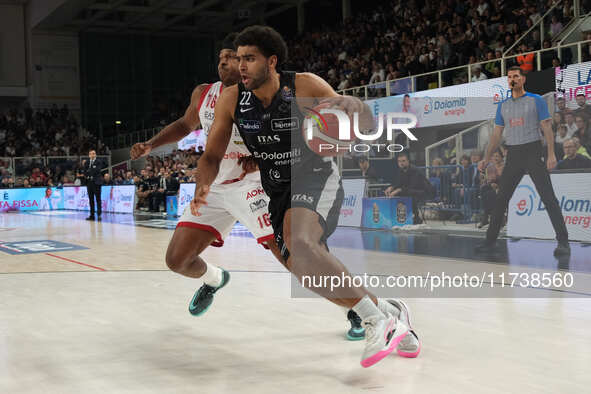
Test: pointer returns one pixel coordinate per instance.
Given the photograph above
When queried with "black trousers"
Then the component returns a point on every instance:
(155, 199)
(94, 192)
(521, 159)
(489, 199)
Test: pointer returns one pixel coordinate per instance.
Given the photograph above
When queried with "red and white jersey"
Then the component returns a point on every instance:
(229, 171)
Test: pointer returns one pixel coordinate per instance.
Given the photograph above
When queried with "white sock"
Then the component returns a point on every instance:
(386, 307)
(365, 308)
(212, 275)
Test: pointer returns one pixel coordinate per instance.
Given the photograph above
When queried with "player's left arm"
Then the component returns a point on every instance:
(546, 126)
(310, 85)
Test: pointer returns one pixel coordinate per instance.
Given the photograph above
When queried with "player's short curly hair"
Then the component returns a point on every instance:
(228, 42)
(266, 39)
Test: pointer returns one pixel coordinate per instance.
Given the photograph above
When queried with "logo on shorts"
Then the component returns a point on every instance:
(302, 198)
(285, 124)
(254, 193)
(257, 205)
(274, 174)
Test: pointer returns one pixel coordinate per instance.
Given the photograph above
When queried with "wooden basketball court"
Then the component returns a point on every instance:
(110, 318)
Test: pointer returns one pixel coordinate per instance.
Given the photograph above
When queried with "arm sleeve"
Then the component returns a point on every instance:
(499, 118)
(542, 108)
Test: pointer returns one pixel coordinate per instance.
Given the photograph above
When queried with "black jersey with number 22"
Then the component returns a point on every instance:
(273, 135)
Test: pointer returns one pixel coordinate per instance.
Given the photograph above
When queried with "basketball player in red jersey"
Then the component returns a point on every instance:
(234, 195)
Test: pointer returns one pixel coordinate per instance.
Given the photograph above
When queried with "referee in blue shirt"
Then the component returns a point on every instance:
(521, 117)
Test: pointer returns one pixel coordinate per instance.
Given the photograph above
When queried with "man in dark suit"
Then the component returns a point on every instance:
(167, 186)
(367, 171)
(411, 183)
(94, 181)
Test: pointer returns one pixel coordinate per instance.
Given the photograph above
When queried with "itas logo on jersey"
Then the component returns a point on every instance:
(515, 122)
(254, 193)
(302, 198)
(250, 126)
(268, 139)
(257, 205)
(285, 124)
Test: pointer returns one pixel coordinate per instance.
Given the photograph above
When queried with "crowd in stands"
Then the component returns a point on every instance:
(47, 132)
(162, 176)
(51, 132)
(573, 133)
(402, 38)
(462, 184)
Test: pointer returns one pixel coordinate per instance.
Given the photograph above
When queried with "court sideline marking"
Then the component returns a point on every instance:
(63, 258)
(75, 262)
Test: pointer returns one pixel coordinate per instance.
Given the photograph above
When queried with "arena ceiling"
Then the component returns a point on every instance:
(163, 17)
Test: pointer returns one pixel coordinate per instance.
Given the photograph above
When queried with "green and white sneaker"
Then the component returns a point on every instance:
(204, 296)
(357, 331)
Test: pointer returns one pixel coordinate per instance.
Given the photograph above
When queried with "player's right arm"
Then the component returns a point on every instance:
(174, 131)
(217, 144)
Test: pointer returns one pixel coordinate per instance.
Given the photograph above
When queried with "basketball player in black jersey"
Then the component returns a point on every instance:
(184, 250)
(305, 190)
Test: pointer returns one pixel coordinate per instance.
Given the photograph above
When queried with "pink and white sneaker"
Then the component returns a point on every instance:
(382, 335)
(410, 345)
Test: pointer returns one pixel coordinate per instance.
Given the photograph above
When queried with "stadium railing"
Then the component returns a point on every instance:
(456, 191)
(124, 140)
(459, 74)
(24, 165)
(124, 165)
(541, 24)
(452, 148)
(6, 163)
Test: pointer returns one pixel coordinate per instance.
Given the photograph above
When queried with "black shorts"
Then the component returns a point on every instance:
(320, 191)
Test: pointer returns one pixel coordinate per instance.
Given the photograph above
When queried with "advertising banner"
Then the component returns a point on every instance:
(186, 192)
(385, 212)
(172, 205)
(31, 199)
(352, 208)
(469, 102)
(572, 80)
(119, 199)
(528, 216)
(193, 140)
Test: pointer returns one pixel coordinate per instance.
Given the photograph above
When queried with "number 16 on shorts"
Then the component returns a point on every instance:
(264, 220)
